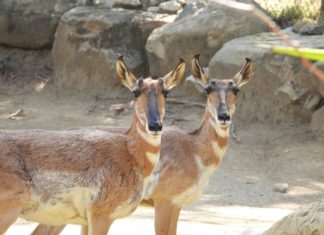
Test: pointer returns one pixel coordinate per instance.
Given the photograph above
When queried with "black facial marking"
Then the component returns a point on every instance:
(165, 92)
(235, 90)
(208, 89)
(138, 88)
(137, 92)
(153, 113)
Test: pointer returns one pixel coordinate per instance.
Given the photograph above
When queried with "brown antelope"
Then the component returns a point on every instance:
(188, 160)
(87, 177)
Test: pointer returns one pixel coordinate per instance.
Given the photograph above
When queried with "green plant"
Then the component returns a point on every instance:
(309, 53)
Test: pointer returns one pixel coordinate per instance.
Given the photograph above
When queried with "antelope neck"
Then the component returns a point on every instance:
(144, 147)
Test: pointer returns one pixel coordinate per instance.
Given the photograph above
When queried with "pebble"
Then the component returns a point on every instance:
(170, 7)
(281, 187)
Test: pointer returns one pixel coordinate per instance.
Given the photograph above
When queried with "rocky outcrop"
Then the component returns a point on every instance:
(89, 40)
(31, 24)
(308, 221)
(190, 9)
(317, 123)
(281, 90)
(204, 33)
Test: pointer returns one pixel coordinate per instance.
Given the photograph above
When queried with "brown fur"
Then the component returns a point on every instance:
(176, 164)
(85, 176)
(178, 168)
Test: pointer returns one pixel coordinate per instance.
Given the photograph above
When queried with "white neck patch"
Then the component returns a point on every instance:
(220, 131)
(150, 139)
(153, 157)
(219, 151)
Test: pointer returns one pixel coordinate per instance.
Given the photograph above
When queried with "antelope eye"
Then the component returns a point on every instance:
(235, 90)
(208, 89)
(230, 84)
(136, 93)
(213, 83)
(165, 92)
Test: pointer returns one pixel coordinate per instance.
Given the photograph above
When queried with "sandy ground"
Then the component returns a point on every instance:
(240, 197)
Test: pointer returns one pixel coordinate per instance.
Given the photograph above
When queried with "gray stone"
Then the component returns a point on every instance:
(312, 101)
(182, 2)
(127, 4)
(321, 88)
(31, 24)
(155, 2)
(281, 187)
(279, 86)
(310, 29)
(153, 9)
(170, 7)
(204, 33)
(190, 9)
(307, 221)
(90, 39)
(291, 91)
(317, 123)
(319, 84)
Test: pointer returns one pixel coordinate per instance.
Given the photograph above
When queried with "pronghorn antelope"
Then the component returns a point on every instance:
(188, 160)
(87, 177)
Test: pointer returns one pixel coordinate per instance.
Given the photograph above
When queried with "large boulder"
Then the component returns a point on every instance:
(281, 90)
(89, 40)
(31, 24)
(317, 123)
(204, 32)
(308, 221)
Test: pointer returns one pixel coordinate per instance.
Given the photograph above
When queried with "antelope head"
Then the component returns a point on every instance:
(221, 93)
(149, 94)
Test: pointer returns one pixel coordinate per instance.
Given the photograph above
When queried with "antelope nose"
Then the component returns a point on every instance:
(224, 117)
(155, 126)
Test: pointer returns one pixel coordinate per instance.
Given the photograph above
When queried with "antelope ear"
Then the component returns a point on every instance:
(174, 77)
(198, 72)
(245, 74)
(124, 75)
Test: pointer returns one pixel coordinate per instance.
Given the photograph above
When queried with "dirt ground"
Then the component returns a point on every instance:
(240, 197)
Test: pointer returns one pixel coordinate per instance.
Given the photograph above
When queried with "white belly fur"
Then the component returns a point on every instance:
(65, 208)
(193, 193)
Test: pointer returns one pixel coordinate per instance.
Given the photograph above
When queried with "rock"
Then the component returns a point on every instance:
(24, 64)
(31, 24)
(307, 28)
(170, 7)
(190, 9)
(89, 40)
(298, 25)
(153, 9)
(155, 2)
(292, 91)
(310, 29)
(317, 123)
(319, 84)
(281, 187)
(182, 2)
(312, 101)
(320, 88)
(108, 3)
(204, 33)
(308, 221)
(280, 85)
(127, 4)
